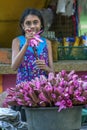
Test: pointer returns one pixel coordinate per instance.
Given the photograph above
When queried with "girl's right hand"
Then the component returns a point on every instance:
(29, 34)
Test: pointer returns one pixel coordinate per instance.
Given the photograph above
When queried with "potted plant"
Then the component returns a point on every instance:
(55, 100)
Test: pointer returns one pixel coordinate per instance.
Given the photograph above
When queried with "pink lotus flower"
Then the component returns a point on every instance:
(35, 40)
(63, 90)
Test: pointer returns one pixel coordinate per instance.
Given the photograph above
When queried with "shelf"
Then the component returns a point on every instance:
(77, 65)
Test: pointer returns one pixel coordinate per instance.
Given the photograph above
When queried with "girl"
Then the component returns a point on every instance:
(31, 61)
(23, 57)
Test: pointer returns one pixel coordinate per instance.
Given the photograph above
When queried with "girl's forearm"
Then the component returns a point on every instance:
(18, 59)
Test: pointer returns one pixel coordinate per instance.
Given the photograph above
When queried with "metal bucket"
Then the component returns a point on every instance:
(48, 118)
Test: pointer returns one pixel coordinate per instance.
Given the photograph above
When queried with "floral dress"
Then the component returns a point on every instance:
(28, 69)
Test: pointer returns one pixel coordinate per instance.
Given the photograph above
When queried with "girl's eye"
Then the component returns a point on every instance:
(35, 22)
(28, 23)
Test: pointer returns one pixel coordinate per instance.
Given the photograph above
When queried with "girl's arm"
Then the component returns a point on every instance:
(17, 55)
(50, 67)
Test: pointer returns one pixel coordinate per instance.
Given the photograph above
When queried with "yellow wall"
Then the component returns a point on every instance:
(10, 11)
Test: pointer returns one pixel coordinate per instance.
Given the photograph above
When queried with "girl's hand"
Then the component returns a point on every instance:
(42, 65)
(29, 34)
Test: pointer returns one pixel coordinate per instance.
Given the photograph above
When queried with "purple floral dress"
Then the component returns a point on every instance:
(28, 69)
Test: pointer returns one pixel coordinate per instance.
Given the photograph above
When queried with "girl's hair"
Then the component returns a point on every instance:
(31, 11)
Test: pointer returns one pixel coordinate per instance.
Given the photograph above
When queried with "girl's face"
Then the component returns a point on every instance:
(33, 23)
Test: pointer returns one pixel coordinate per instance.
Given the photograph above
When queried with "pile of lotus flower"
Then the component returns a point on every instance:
(62, 90)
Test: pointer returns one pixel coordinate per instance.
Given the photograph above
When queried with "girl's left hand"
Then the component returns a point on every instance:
(41, 64)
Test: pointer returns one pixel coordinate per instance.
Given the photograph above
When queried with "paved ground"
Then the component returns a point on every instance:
(84, 128)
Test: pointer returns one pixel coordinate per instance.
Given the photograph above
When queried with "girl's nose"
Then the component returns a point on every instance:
(32, 25)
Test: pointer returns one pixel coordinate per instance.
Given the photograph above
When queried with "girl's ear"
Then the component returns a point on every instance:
(22, 26)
